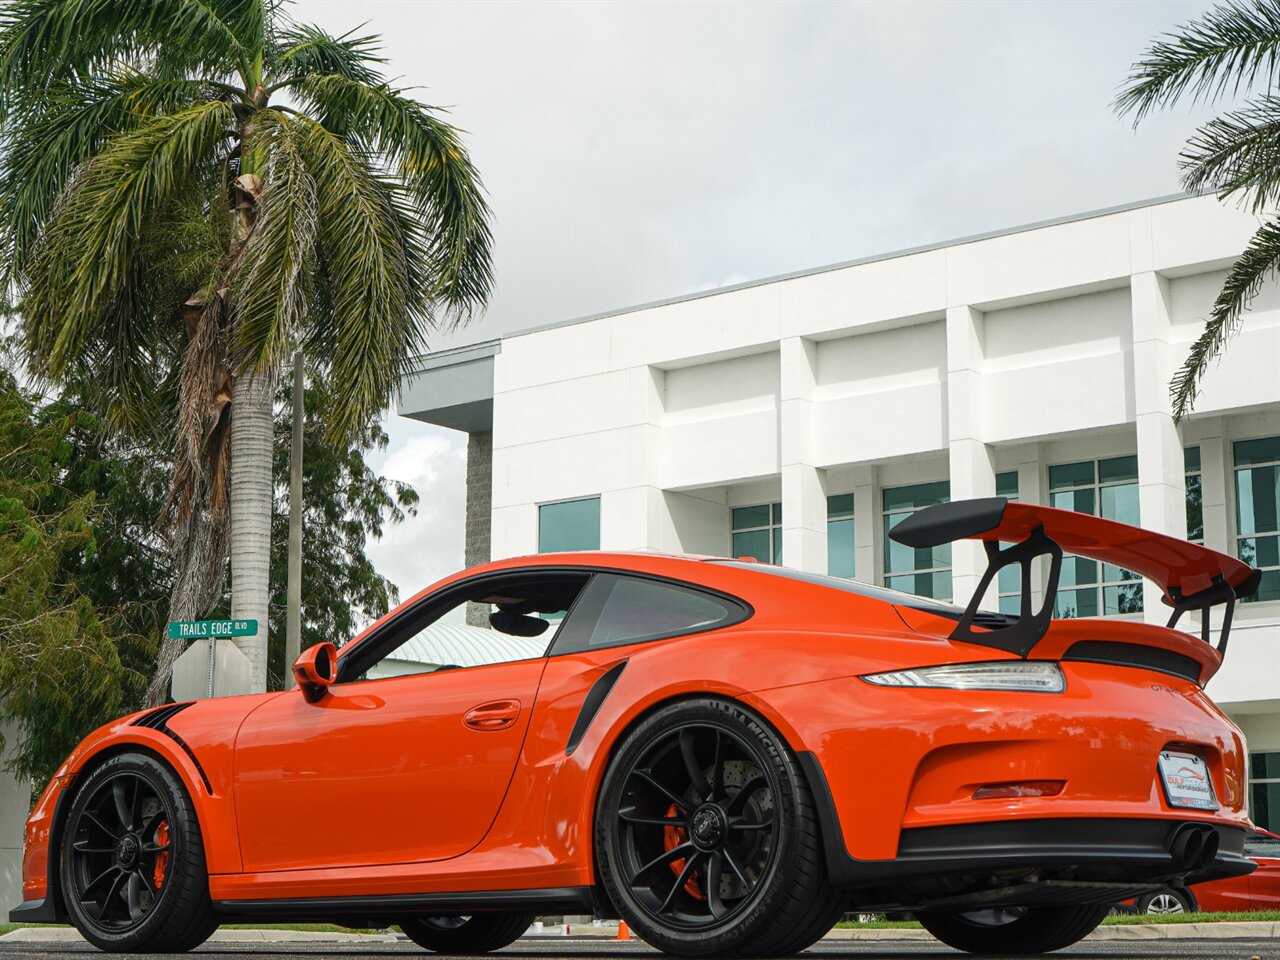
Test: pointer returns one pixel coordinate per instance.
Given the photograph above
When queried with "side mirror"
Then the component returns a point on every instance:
(315, 670)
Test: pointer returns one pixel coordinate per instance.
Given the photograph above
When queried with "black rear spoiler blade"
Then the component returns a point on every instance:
(1191, 576)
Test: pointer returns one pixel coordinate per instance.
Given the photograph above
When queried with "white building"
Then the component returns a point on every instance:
(796, 418)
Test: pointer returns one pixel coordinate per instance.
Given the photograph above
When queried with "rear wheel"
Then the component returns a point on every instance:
(466, 935)
(1014, 929)
(707, 838)
(132, 860)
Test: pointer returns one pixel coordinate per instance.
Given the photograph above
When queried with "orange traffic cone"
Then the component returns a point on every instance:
(623, 932)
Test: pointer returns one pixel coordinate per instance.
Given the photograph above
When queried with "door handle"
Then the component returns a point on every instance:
(497, 715)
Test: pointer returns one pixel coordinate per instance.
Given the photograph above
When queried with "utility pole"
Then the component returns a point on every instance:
(293, 614)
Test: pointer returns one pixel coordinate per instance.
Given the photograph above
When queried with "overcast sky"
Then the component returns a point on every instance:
(635, 151)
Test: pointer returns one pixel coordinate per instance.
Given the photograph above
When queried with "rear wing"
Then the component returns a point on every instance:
(1192, 577)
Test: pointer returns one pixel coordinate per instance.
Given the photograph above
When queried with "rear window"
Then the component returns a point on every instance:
(895, 597)
(635, 609)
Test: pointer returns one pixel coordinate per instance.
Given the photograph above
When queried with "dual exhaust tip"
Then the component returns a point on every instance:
(1193, 846)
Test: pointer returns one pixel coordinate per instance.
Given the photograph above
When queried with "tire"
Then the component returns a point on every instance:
(131, 860)
(1015, 930)
(1165, 901)
(706, 837)
(464, 935)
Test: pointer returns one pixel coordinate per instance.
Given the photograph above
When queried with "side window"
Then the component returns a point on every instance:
(619, 609)
(495, 620)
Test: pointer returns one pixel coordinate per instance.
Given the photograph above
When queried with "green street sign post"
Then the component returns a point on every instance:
(204, 629)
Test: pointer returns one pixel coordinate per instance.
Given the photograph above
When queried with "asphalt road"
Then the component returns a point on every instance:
(580, 950)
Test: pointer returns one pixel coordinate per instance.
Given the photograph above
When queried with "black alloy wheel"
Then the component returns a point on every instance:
(706, 836)
(698, 826)
(120, 851)
(466, 935)
(131, 860)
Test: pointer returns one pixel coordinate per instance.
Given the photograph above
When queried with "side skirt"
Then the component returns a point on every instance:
(394, 906)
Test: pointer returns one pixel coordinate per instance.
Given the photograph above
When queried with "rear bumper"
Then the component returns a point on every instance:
(1068, 859)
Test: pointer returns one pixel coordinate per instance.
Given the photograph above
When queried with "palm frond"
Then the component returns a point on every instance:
(271, 292)
(1258, 263)
(43, 41)
(302, 50)
(40, 149)
(1238, 152)
(367, 272)
(85, 253)
(1227, 49)
(428, 155)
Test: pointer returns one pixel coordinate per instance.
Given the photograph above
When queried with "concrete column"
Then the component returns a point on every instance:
(1162, 492)
(804, 499)
(867, 526)
(1031, 489)
(972, 468)
(15, 801)
(477, 536)
(1215, 476)
(637, 517)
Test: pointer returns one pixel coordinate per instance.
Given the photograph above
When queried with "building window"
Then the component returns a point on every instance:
(924, 571)
(841, 550)
(1257, 471)
(1195, 499)
(1009, 579)
(1105, 488)
(569, 525)
(1264, 790)
(757, 532)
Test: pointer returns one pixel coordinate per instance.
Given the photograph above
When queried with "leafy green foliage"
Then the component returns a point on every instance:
(61, 669)
(85, 577)
(193, 190)
(1233, 47)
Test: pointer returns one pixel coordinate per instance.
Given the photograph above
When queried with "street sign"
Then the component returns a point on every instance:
(204, 629)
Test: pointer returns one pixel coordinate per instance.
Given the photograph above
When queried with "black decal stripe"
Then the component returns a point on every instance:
(591, 704)
(158, 720)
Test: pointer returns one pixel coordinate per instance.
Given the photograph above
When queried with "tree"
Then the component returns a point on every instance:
(62, 660)
(85, 579)
(190, 192)
(1230, 50)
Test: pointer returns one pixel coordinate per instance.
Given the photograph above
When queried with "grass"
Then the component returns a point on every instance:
(1117, 919)
(307, 927)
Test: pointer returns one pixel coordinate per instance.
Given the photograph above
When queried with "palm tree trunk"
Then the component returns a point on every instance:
(251, 500)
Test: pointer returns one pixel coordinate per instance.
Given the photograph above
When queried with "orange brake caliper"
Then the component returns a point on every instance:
(162, 859)
(672, 837)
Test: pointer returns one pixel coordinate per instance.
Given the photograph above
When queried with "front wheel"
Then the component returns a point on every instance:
(1014, 929)
(707, 837)
(132, 860)
(466, 935)
(1165, 901)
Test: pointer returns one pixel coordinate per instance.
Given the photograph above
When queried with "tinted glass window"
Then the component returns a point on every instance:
(1260, 845)
(633, 609)
(569, 526)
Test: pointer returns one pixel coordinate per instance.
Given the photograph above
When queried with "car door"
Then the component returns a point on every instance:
(1264, 883)
(389, 768)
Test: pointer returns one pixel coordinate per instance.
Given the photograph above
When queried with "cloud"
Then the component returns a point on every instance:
(635, 151)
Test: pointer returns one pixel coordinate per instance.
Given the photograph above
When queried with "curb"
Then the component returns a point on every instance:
(1227, 930)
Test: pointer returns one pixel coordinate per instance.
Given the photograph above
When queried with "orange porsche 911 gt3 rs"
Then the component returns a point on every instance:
(726, 754)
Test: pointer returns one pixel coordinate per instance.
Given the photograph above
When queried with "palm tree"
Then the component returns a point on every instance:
(1230, 50)
(190, 191)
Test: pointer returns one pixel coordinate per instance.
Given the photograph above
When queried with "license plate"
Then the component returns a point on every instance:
(1186, 781)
